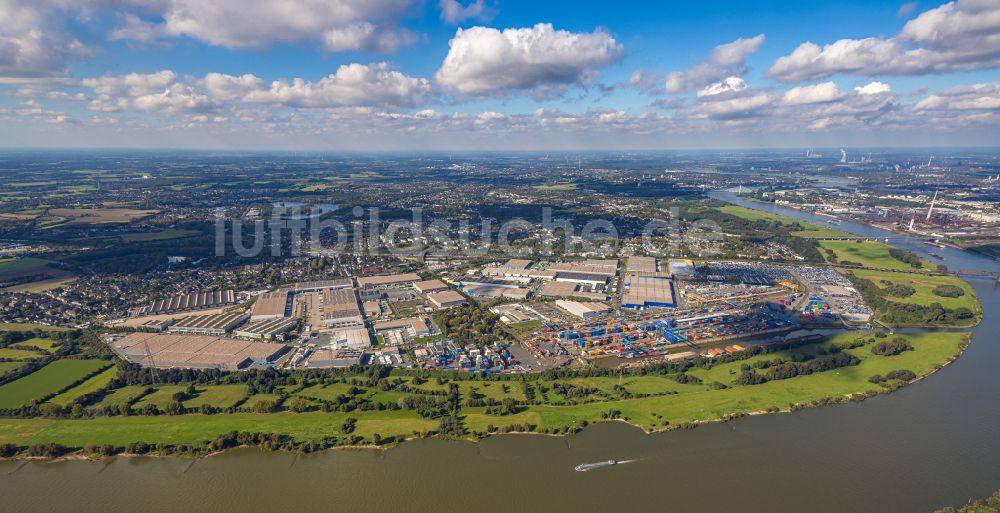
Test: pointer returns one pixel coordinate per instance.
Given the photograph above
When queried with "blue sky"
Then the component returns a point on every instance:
(381, 74)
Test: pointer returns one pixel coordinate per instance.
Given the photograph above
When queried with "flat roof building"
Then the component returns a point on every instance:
(372, 309)
(428, 286)
(330, 358)
(194, 351)
(647, 291)
(190, 301)
(312, 286)
(353, 338)
(340, 308)
(388, 280)
(583, 310)
(218, 324)
(607, 268)
(270, 305)
(267, 329)
(641, 264)
(581, 277)
(487, 282)
(417, 325)
(517, 264)
(522, 275)
(446, 299)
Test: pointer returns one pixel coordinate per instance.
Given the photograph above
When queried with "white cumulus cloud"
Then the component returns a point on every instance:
(873, 88)
(811, 94)
(131, 84)
(729, 85)
(959, 35)
(454, 12)
(739, 107)
(33, 43)
(971, 97)
(725, 60)
(484, 60)
(351, 85)
(366, 25)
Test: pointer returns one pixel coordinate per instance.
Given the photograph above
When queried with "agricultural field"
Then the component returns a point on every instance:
(161, 397)
(47, 381)
(45, 344)
(254, 399)
(160, 235)
(42, 276)
(73, 216)
(7, 353)
(219, 396)
(325, 392)
(123, 395)
(18, 216)
(6, 367)
(14, 267)
(811, 230)
(867, 254)
(556, 187)
(20, 326)
(93, 384)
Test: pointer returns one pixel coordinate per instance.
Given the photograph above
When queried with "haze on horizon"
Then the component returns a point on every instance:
(403, 75)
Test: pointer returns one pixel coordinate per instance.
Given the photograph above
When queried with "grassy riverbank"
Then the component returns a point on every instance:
(809, 230)
(545, 404)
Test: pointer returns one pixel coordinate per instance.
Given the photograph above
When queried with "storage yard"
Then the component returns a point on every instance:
(655, 335)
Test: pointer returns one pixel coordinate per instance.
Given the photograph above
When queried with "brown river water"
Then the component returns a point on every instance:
(931, 444)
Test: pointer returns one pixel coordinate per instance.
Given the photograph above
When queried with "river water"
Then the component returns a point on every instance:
(934, 443)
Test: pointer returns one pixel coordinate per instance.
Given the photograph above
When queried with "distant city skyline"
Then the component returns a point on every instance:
(412, 75)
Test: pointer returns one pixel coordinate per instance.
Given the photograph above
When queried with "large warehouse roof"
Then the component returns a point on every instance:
(389, 279)
(194, 351)
(270, 304)
(191, 301)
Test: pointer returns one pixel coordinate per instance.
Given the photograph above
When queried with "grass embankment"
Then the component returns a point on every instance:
(924, 286)
(810, 230)
(866, 253)
(698, 403)
(907, 299)
(672, 404)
